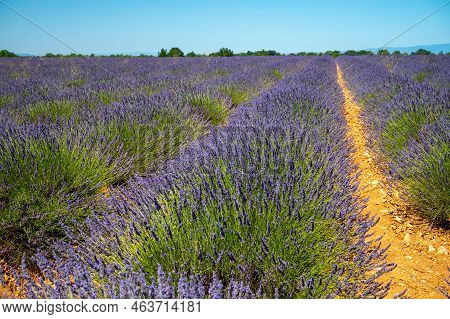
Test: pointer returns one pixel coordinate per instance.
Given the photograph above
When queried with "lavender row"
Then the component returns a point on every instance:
(432, 70)
(408, 126)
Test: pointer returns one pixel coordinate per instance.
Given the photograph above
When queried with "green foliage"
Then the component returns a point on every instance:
(7, 54)
(420, 76)
(350, 52)
(396, 52)
(5, 99)
(364, 52)
(266, 53)
(150, 90)
(175, 52)
(213, 110)
(148, 144)
(191, 54)
(237, 95)
(400, 129)
(334, 53)
(75, 83)
(59, 55)
(225, 52)
(49, 182)
(303, 53)
(107, 97)
(383, 52)
(162, 53)
(278, 75)
(221, 72)
(198, 232)
(360, 52)
(92, 55)
(427, 185)
(422, 52)
(50, 111)
(260, 53)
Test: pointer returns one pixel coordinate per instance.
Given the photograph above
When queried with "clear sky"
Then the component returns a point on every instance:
(91, 26)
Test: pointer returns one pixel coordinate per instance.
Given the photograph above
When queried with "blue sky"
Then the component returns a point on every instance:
(205, 26)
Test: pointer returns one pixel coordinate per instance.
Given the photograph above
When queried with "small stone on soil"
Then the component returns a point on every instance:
(407, 238)
(442, 250)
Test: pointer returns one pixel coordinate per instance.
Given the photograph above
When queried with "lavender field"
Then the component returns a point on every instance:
(212, 177)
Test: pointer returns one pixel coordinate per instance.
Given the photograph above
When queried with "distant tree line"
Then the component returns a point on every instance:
(7, 54)
(225, 52)
(77, 55)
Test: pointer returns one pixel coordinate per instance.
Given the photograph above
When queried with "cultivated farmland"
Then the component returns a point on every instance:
(242, 177)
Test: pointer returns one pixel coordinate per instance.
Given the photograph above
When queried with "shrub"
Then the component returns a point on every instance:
(46, 181)
(421, 76)
(5, 99)
(277, 74)
(424, 171)
(108, 97)
(400, 130)
(50, 111)
(149, 143)
(237, 95)
(214, 110)
(75, 83)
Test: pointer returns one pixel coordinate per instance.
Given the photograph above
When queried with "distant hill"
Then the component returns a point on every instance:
(435, 48)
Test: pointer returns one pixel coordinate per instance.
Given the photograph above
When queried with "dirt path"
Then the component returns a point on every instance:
(419, 250)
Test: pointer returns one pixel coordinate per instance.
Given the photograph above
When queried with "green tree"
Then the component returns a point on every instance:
(175, 52)
(191, 54)
(396, 52)
(162, 53)
(7, 54)
(334, 53)
(52, 55)
(383, 52)
(350, 52)
(364, 52)
(223, 52)
(422, 52)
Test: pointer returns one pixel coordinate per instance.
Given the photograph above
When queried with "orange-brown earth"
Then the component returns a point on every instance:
(418, 248)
